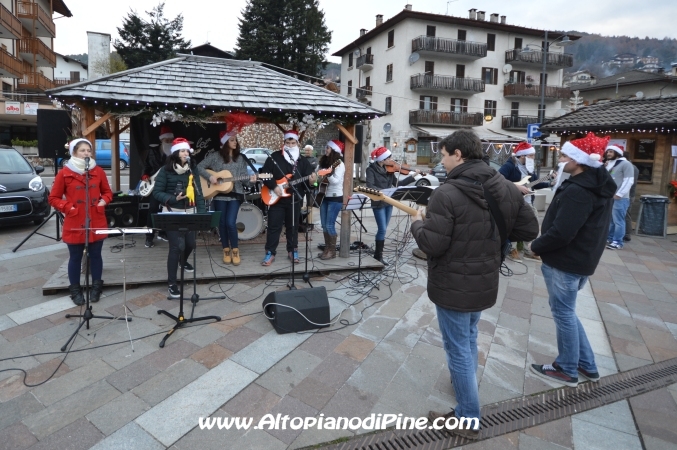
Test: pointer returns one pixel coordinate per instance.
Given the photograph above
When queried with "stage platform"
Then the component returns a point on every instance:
(149, 265)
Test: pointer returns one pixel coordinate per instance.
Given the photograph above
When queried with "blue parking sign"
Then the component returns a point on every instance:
(533, 130)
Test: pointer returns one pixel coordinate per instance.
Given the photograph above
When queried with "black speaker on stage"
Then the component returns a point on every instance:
(288, 308)
(54, 127)
(123, 211)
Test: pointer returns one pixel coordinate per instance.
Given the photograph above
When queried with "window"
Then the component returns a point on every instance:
(644, 151)
(543, 81)
(75, 76)
(350, 59)
(389, 105)
(430, 31)
(490, 108)
(391, 38)
(105, 145)
(491, 42)
(460, 70)
(428, 103)
(430, 67)
(461, 35)
(517, 76)
(490, 75)
(459, 105)
(389, 72)
(367, 81)
(368, 50)
(6, 88)
(350, 87)
(518, 42)
(386, 142)
(515, 109)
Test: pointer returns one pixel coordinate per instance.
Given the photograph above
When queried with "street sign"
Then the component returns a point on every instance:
(533, 130)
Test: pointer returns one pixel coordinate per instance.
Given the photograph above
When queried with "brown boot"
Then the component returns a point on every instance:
(227, 259)
(323, 255)
(331, 245)
(236, 256)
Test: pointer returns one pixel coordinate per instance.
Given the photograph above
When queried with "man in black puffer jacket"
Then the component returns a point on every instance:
(572, 241)
(463, 245)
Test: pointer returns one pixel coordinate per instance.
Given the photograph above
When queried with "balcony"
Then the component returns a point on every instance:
(448, 47)
(30, 13)
(530, 91)
(519, 57)
(517, 122)
(427, 82)
(445, 118)
(58, 82)
(365, 62)
(10, 25)
(35, 81)
(44, 56)
(363, 92)
(10, 66)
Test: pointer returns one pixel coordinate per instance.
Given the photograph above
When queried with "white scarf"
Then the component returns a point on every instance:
(180, 169)
(77, 165)
(295, 153)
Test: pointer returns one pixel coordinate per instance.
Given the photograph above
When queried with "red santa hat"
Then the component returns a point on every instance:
(617, 148)
(336, 145)
(588, 150)
(235, 122)
(380, 154)
(524, 149)
(291, 134)
(166, 132)
(75, 142)
(181, 144)
(225, 135)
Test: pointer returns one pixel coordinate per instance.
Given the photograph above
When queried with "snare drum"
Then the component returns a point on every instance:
(250, 222)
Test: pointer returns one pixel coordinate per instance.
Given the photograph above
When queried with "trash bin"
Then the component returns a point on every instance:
(653, 216)
(539, 202)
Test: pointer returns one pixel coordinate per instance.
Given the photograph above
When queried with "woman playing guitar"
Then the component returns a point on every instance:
(333, 196)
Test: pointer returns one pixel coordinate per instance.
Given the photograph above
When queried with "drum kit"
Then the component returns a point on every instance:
(251, 219)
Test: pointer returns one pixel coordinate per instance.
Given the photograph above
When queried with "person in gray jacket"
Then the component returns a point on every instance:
(633, 189)
(623, 174)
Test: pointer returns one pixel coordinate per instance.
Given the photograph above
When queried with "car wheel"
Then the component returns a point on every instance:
(123, 165)
(423, 182)
(252, 160)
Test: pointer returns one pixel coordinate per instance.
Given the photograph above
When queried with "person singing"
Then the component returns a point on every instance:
(230, 159)
(68, 196)
(333, 199)
(156, 159)
(170, 190)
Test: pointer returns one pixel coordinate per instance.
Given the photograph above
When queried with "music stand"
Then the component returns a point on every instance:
(183, 223)
(417, 194)
(361, 202)
(59, 224)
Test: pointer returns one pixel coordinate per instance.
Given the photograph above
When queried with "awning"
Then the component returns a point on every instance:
(483, 133)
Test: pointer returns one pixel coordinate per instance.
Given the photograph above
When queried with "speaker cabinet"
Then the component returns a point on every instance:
(286, 309)
(123, 211)
(54, 127)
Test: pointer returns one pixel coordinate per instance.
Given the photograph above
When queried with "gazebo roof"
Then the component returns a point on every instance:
(213, 84)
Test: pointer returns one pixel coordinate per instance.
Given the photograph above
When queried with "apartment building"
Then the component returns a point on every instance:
(433, 74)
(27, 62)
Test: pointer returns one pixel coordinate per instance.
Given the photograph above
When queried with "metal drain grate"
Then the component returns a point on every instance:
(517, 414)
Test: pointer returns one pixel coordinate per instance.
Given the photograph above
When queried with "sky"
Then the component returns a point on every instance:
(217, 21)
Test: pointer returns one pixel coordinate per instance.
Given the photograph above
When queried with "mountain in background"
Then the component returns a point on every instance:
(332, 71)
(83, 57)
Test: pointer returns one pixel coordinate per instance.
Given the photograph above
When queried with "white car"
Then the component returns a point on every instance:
(257, 155)
(424, 179)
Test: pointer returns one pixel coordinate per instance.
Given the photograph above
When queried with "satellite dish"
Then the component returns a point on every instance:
(386, 127)
(507, 68)
(639, 94)
(357, 53)
(413, 58)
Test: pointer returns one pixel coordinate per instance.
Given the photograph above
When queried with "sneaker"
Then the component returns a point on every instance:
(295, 256)
(531, 256)
(174, 291)
(592, 376)
(268, 260)
(468, 434)
(162, 236)
(514, 255)
(188, 267)
(551, 373)
(149, 243)
(432, 415)
(615, 246)
(626, 239)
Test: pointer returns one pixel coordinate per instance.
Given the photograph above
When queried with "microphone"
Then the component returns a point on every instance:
(86, 162)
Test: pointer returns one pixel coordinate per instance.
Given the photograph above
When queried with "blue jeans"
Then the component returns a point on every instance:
(382, 216)
(572, 342)
(617, 225)
(329, 211)
(459, 333)
(75, 261)
(228, 221)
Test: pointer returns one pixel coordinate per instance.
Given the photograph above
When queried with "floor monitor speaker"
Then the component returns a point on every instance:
(297, 309)
(123, 211)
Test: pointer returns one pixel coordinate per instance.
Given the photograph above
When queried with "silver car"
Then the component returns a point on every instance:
(257, 155)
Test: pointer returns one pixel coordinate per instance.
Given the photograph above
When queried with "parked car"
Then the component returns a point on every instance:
(440, 172)
(257, 166)
(257, 155)
(103, 155)
(424, 179)
(23, 195)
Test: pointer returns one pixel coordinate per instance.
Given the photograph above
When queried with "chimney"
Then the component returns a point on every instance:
(503, 20)
(407, 7)
(363, 31)
(379, 19)
(494, 18)
(480, 15)
(473, 13)
(98, 45)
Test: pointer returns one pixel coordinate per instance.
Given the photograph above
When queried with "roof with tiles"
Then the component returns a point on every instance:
(627, 78)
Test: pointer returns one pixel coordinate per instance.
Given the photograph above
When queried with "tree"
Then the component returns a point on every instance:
(105, 66)
(291, 34)
(145, 42)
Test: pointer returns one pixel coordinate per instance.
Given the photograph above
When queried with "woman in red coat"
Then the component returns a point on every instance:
(68, 197)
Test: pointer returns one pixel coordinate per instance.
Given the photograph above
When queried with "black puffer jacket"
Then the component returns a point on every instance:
(462, 243)
(165, 185)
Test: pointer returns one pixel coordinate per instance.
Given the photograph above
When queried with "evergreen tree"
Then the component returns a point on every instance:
(145, 42)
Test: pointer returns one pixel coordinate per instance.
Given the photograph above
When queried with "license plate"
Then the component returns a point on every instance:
(8, 208)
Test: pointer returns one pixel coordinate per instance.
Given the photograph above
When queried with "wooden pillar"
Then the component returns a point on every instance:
(115, 154)
(89, 119)
(349, 161)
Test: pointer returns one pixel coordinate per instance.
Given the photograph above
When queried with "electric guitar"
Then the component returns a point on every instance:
(324, 184)
(146, 187)
(525, 181)
(379, 196)
(269, 196)
(225, 182)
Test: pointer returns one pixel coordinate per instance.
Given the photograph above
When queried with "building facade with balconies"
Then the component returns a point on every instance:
(27, 63)
(433, 74)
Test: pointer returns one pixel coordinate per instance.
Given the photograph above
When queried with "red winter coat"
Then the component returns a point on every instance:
(68, 196)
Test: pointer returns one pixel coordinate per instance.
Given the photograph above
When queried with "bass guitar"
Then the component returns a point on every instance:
(225, 182)
(269, 196)
(324, 184)
(146, 187)
(379, 196)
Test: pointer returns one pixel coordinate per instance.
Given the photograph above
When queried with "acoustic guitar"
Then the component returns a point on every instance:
(379, 196)
(269, 196)
(225, 182)
(324, 184)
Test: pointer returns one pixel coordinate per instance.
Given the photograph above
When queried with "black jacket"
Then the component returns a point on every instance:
(278, 165)
(576, 225)
(165, 185)
(512, 173)
(379, 178)
(154, 161)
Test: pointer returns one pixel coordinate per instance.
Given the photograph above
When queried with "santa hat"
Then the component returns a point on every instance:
(617, 148)
(235, 122)
(74, 142)
(291, 134)
(380, 154)
(225, 135)
(181, 144)
(336, 145)
(588, 150)
(166, 132)
(524, 149)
